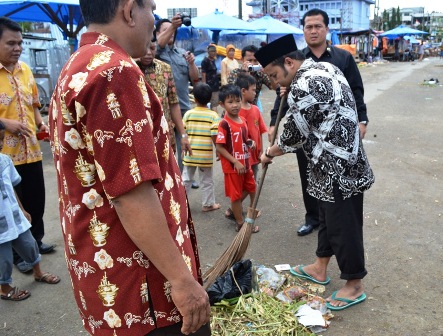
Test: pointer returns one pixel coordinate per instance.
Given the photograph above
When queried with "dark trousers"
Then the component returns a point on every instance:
(311, 203)
(341, 234)
(31, 192)
(174, 330)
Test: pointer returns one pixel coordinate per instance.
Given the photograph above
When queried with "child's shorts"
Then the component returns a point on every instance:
(236, 184)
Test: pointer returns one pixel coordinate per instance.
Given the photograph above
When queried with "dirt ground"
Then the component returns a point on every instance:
(403, 220)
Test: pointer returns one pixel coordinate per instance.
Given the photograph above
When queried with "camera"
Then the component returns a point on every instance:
(186, 19)
(254, 67)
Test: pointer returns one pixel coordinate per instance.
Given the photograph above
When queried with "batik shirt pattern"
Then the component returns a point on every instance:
(18, 97)
(160, 79)
(109, 135)
(322, 119)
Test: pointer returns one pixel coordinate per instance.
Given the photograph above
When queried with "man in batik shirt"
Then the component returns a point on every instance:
(322, 121)
(159, 76)
(129, 238)
(19, 121)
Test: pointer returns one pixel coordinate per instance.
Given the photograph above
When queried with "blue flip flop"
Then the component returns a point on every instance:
(349, 302)
(306, 276)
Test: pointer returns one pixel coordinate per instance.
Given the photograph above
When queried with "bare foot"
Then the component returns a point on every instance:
(352, 290)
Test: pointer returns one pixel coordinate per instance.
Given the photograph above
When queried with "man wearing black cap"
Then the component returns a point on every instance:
(315, 28)
(322, 122)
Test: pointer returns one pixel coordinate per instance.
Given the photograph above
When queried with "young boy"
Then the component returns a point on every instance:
(201, 126)
(14, 233)
(253, 117)
(232, 146)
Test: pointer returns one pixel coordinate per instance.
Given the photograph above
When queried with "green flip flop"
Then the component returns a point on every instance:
(306, 276)
(349, 302)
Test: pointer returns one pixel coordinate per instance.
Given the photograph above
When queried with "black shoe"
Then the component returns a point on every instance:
(195, 185)
(45, 248)
(306, 229)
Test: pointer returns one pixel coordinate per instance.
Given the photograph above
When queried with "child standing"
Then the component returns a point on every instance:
(14, 233)
(201, 126)
(232, 146)
(254, 119)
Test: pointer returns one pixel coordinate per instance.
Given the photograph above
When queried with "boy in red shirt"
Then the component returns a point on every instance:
(254, 119)
(232, 146)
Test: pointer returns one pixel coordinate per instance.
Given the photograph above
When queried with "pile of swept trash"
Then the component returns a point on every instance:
(256, 299)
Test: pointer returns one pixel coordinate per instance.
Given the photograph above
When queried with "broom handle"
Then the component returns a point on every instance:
(274, 136)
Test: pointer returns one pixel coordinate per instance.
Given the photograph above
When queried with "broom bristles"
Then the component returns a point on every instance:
(234, 253)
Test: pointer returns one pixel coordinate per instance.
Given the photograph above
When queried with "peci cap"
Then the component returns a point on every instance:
(278, 48)
(212, 47)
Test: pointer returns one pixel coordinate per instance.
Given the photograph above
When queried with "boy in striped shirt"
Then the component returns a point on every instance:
(201, 126)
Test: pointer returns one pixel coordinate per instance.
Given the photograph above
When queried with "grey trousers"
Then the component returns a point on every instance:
(206, 182)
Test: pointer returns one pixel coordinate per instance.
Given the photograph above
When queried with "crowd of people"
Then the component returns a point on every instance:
(138, 260)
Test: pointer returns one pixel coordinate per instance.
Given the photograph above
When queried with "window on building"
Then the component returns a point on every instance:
(322, 6)
(332, 5)
(332, 20)
(328, 5)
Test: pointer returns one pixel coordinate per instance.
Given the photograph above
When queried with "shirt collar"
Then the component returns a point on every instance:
(101, 39)
(17, 67)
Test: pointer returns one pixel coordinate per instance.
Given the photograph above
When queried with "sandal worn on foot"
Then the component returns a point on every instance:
(255, 228)
(16, 294)
(48, 278)
(230, 215)
(212, 207)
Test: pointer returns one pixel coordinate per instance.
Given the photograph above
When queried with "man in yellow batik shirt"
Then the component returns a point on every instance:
(19, 121)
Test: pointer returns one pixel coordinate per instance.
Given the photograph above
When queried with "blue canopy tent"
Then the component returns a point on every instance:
(217, 22)
(65, 14)
(402, 30)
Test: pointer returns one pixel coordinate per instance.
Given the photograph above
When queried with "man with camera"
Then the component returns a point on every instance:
(181, 62)
(250, 65)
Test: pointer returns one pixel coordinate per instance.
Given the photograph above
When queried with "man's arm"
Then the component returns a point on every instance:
(355, 81)
(176, 117)
(15, 127)
(39, 121)
(164, 37)
(139, 214)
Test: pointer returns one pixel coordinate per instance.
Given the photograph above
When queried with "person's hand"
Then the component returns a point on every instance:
(245, 66)
(362, 130)
(44, 128)
(16, 127)
(239, 168)
(177, 20)
(186, 146)
(192, 302)
(252, 144)
(282, 91)
(265, 160)
(271, 133)
(27, 216)
(189, 57)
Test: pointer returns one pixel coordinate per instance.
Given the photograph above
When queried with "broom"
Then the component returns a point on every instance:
(239, 245)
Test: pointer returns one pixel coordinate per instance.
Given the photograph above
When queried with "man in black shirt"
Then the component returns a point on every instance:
(315, 28)
(210, 76)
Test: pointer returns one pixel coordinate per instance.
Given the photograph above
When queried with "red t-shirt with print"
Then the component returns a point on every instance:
(256, 127)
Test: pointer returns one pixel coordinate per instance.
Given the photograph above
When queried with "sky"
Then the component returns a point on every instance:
(429, 5)
(230, 7)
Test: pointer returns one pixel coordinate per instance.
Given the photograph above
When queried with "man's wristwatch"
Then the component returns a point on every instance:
(365, 122)
(40, 125)
(269, 156)
(184, 135)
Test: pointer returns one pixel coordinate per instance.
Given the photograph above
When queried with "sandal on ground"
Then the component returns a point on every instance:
(212, 207)
(255, 228)
(230, 215)
(16, 294)
(48, 278)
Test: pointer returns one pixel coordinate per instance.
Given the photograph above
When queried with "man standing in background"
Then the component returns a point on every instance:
(19, 120)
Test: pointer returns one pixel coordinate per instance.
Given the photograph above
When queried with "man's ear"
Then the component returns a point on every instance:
(289, 61)
(127, 9)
